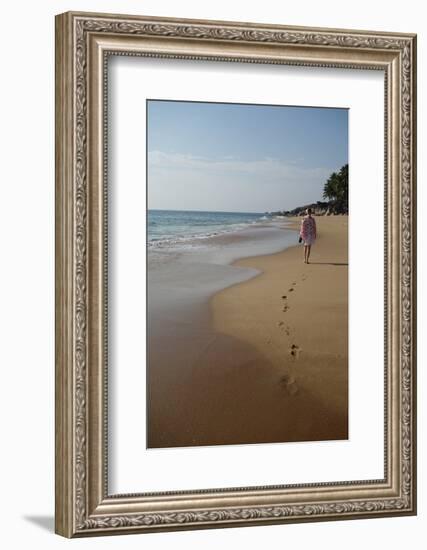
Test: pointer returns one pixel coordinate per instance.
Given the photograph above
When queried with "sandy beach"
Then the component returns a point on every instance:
(263, 360)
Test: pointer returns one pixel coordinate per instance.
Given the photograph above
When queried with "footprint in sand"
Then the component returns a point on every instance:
(295, 351)
(289, 384)
(285, 305)
(285, 329)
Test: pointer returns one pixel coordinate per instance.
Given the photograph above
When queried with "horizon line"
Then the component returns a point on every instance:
(209, 211)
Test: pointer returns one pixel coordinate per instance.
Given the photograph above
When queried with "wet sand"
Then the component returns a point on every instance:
(264, 360)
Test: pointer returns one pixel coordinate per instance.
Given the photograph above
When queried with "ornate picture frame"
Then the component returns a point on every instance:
(84, 506)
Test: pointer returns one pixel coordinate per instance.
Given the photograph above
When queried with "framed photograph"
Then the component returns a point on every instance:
(235, 274)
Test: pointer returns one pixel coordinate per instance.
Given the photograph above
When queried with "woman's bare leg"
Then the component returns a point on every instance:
(308, 252)
(305, 253)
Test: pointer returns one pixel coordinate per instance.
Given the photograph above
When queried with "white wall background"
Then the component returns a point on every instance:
(27, 273)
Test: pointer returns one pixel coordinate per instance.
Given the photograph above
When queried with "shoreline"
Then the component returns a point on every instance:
(245, 370)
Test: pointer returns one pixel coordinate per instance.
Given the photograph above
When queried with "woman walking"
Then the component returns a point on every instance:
(308, 233)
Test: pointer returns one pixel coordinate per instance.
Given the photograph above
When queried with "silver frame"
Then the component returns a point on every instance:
(83, 43)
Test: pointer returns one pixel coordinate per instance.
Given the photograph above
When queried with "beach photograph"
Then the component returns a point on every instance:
(247, 274)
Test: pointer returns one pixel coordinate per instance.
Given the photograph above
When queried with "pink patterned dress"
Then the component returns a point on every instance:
(308, 230)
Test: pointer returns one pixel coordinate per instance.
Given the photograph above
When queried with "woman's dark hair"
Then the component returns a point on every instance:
(309, 210)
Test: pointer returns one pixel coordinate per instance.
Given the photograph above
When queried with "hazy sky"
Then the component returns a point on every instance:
(241, 158)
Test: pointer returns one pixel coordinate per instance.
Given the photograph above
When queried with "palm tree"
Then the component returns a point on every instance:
(336, 190)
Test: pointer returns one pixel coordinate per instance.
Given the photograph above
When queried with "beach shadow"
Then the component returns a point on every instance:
(45, 522)
(328, 263)
(233, 395)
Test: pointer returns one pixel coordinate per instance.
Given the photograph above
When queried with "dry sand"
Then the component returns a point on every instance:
(273, 365)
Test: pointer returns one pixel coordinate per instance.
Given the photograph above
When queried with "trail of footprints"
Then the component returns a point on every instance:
(294, 350)
(287, 382)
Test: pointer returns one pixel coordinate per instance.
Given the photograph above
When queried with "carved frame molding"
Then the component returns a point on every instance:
(83, 43)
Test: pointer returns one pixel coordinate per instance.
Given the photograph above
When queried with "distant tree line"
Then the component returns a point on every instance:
(336, 190)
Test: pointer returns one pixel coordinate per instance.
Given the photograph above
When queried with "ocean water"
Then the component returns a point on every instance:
(169, 228)
(191, 255)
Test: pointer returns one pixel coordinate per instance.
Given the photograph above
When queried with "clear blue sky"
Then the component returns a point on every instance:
(247, 158)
